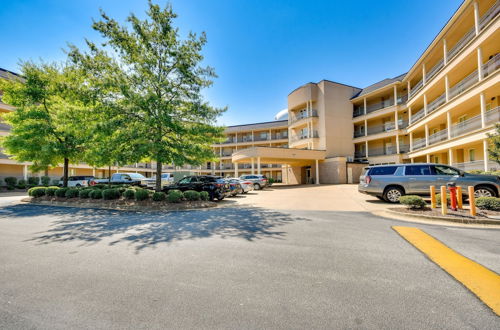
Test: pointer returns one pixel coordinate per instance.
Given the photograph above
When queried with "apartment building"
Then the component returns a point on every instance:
(441, 110)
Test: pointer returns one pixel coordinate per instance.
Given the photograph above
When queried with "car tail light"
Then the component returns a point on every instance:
(264, 179)
(92, 183)
(247, 182)
(368, 179)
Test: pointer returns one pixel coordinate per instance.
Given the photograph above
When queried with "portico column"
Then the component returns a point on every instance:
(366, 127)
(364, 104)
(258, 165)
(486, 155)
(397, 143)
(236, 170)
(93, 171)
(412, 160)
(395, 95)
(396, 123)
(25, 172)
(409, 115)
(317, 171)
(446, 88)
(450, 157)
(253, 166)
(482, 101)
(448, 124)
(425, 104)
(428, 158)
(480, 63)
(366, 149)
(445, 53)
(476, 17)
(426, 135)
(411, 141)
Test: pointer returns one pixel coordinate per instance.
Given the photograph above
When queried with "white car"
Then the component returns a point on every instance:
(166, 180)
(77, 181)
(246, 185)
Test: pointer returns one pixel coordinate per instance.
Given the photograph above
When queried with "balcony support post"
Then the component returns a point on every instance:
(258, 166)
(450, 157)
(448, 124)
(424, 80)
(366, 149)
(486, 155)
(396, 123)
(409, 115)
(366, 127)
(445, 53)
(483, 109)
(395, 95)
(426, 135)
(253, 166)
(397, 144)
(480, 63)
(476, 17)
(412, 160)
(364, 104)
(425, 105)
(447, 88)
(408, 88)
(236, 170)
(428, 158)
(411, 141)
(93, 171)
(317, 171)
(25, 172)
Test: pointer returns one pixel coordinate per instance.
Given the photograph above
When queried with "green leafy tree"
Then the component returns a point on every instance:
(494, 145)
(48, 126)
(151, 81)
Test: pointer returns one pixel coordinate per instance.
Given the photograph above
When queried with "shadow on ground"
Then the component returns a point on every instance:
(147, 229)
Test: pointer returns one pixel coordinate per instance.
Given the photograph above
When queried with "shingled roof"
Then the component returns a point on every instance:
(380, 84)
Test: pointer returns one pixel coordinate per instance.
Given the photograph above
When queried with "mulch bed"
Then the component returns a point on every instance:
(460, 215)
(120, 204)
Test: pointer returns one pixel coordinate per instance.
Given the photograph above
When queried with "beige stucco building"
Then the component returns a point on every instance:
(441, 110)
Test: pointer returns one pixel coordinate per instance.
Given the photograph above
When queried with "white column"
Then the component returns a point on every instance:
(364, 104)
(428, 158)
(366, 127)
(476, 17)
(409, 115)
(252, 137)
(366, 149)
(236, 170)
(426, 135)
(486, 155)
(396, 119)
(395, 95)
(412, 160)
(482, 101)
(446, 88)
(397, 143)
(258, 166)
(253, 166)
(450, 157)
(317, 171)
(25, 172)
(445, 53)
(425, 104)
(93, 171)
(448, 124)
(236, 138)
(408, 88)
(411, 141)
(480, 63)
(424, 78)
(270, 135)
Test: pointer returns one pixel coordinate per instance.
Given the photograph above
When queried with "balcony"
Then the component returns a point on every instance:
(303, 137)
(4, 127)
(359, 133)
(302, 115)
(435, 69)
(388, 126)
(372, 152)
(463, 84)
(415, 89)
(440, 100)
(491, 117)
(418, 143)
(476, 165)
(491, 66)
(359, 154)
(402, 98)
(358, 111)
(438, 136)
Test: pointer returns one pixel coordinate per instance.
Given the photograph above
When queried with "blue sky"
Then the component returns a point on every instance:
(261, 49)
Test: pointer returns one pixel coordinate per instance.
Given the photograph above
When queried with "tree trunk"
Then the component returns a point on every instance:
(158, 177)
(109, 175)
(65, 172)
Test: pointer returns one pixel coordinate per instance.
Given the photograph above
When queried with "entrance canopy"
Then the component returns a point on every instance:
(270, 155)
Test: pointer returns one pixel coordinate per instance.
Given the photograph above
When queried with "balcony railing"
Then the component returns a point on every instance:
(418, 143)
(404, 148)
(492, 116)
(438, 136)
(4, 127)
(402, 124)
(359, 133)
(463, 84)
(461, 43)
(415, 89)
(476, 165)
(489, 15)
(392, 150)
(359, 154)
(303, 137)
(491, 66)
(402, 98)
(419, 114)
(435, 69)
(380, 105)
(302, 115)
(436, 103)
(388, 126)
(358, 111)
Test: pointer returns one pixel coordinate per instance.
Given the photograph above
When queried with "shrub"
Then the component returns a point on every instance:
(412, 201)
(101, 186)
(141, 194)
(175, 196)
(84, 193)
(34, 180)
(11, 181)
(129, 194)
(45, 180)
(96, 194)
(11, 187)
(72, 193)
(51, 191)
(192, 195)
(488, 203)
(204, 196)
(55, 182)
(37, 192)
(21, 184)
(110, 194)
(159, 196)
(438, 199)
(61, 192)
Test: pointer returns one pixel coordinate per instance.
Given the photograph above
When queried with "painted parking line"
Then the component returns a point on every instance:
(484, 283)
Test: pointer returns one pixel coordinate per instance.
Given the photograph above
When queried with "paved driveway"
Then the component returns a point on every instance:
(238, 266)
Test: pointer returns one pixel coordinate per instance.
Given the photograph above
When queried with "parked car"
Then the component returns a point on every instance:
(246, 185)
(259, 181)
(216, 186)
(77, 181)
(166, 179)
(390, 182)
(122, 178)
(234, 187)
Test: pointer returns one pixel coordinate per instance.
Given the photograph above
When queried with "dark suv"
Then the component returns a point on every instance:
(216, 186)
(389, 182)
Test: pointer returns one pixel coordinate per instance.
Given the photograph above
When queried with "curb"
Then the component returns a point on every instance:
(483, 223)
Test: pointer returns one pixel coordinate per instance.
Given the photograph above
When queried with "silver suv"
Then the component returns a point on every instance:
(389, 182)
(259, 181)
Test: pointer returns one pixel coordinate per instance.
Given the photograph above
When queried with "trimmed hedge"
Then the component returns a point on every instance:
(45, 180)
(175, 196)
(159, 196)
(84, 193)
(11, 181)
(21, 184)
(34, 180)
(192, 195)
(96, 194)
(37, 192)
(141, 194)
(129, 194)
(488, 203)
(61, 192)
(204, 195)
(51, 191)
(109, 194)
(412, 201)
(72, 193)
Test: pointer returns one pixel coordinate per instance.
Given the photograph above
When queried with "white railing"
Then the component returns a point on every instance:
(388, 126)
(463, 84)
(418, 86)
(466, 126)
(491, 66)
(418, 143)
(432, 72)
(419, 114)
(359, 133)
(492, 116)
(461, 43)
(489, 15)
(303, 115)
(438, 136)
(402, 98)
(436, 103)
(476, 165)
(380, 105)
(305, 136)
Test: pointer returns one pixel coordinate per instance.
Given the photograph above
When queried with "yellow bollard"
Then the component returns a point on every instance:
(472, 201)
(459, 197)
(433, 197)
(444, 201)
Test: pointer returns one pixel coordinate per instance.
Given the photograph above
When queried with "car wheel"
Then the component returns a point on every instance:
(392, 194)
(256, 186)
(78, 185)
(482, 191)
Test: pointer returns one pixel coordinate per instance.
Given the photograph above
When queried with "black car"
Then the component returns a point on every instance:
(216, 186)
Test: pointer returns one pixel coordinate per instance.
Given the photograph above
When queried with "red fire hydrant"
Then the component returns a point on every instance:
(452, 187)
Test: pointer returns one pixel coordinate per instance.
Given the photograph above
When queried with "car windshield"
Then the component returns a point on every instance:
(136, 176)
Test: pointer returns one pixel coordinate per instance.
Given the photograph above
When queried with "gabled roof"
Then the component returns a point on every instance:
(6, 74)
(378, 85)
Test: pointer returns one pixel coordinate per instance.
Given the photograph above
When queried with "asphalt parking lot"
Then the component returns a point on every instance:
(241, 265)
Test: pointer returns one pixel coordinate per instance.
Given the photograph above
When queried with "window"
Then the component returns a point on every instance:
(263, 135)
(418, 170)
(185, 180)
(445, 170)
(383, 170)
(472, 155)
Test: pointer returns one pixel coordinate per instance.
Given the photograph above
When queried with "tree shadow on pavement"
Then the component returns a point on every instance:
(147, 229)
